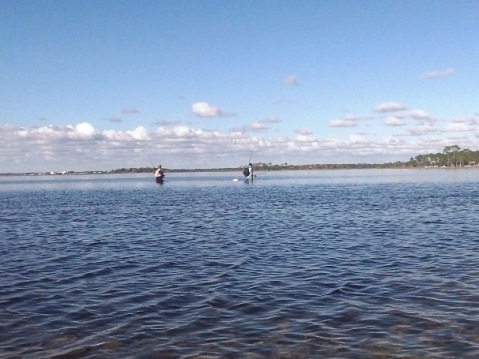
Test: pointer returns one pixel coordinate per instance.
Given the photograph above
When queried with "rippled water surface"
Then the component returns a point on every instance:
(345, 264)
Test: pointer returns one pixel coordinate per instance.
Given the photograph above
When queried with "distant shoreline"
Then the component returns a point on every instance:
(259, 168)
(450, 157)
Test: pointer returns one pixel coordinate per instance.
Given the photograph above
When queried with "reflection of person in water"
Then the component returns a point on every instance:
(159, 175)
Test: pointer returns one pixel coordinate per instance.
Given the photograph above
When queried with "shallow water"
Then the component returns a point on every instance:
(346, 264)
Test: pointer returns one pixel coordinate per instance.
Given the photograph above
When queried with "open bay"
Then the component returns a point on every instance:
(299, 264)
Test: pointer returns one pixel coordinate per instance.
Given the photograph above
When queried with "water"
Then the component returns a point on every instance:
(325, 264)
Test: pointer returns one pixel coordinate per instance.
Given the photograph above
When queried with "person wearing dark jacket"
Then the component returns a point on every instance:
(159, 174)
(249, 172)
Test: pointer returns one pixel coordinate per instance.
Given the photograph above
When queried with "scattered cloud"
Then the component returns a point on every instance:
(115, 119)
(422, 129)
(304, 132)
(291, 80)
(457, 127)
(358, 138)
(305, 137)
(457, 137)
(130, 111)
(205, 110)
(438, 73)
(394, 121)
(184, 146)
(139, 134)
(85, 129)
(390, 107)
(470, 120)
(421, 115)
(258, 126)
(270, 120)
(345, 122)
(167, 122)
(468, 124)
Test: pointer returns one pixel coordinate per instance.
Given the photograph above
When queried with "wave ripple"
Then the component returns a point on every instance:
(350, 270)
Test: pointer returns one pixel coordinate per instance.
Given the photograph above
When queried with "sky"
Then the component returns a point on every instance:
(108, 84)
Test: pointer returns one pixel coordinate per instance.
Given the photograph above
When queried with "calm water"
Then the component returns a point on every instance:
(344, 264)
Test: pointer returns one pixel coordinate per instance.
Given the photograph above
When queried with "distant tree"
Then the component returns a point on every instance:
(449, 149)
(451, 153)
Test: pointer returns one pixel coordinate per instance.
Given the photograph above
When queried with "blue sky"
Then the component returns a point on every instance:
(90, 85)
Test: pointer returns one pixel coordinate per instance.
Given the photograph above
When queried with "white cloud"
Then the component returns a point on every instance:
(81, 146)
(140, 134)
(304, 132)
(258, 126)
(394, 121)
(438, 73)
(177, 131)
(390, 107)
(462, 125)
(422, 129)
(342, 123)
(291, 80)
(467, 120)
(205, 110)
(305, 136)
(85, 129)
(421, 115)
(357, 138)
(112, 135)
(457, 137)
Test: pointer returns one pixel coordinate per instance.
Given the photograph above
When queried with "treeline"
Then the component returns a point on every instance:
(329, 166)
(451, 156)
(260, 166)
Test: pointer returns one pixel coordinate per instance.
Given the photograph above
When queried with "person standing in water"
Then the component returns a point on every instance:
(159, 174)
(249, 172)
